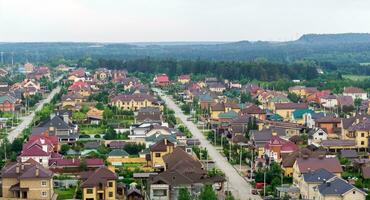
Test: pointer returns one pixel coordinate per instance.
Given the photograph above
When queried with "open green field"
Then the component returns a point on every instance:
(356, 77)
(65, 193)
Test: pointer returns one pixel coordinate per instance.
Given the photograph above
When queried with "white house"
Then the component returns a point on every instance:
(355, 93)
(317, 135)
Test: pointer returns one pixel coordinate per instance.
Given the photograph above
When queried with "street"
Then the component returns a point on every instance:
(239, 187)
(27, 120)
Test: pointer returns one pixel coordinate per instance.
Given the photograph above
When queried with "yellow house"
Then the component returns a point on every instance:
(118, 157)
(158, 150)
(183, 79)
(134, 101)
(216, 110)
(359, 131)
(27, 180)
(286, 110)
(71, 100)
(100, 184)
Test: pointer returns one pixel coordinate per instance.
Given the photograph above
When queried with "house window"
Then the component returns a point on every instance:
(362, 134)
(159, 193)
(157, 155)
(110, 184)
(110, 194)
(43, 183)
(89, 191)
(44, 194)
(362, 142)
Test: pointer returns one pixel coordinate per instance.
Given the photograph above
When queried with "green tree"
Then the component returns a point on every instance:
(64, 148)
(110, 134)
(83, 165)
(294, 97)
(184, 194)
(79, 117)
(245, 97)
(99, 106)
(208, 193)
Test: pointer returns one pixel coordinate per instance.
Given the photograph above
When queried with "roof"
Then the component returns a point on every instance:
(218, 107)
(229, 115)
(345, 100)
(8, 98)
(161, 146)
(26, 170)
(118, 152)
(253, 109)
(336, 186)
(149, 114)
(318, 176)
(162, 78)
(330, 164)
(348, 153)
(353, 90)
(57, 122)
(72, 162)
(286, 146)
(298, 114)
(34, 151)
(330, 143)
(133, 97)
(99, 176)
(328, 119)
(291, 106)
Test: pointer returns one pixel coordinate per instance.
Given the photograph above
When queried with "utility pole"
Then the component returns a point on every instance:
(12, 59)
(240, 164)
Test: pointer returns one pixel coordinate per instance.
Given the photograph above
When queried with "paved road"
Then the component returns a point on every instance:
(240, 188)
(27, 120)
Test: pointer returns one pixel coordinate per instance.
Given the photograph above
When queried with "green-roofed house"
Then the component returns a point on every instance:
(227, 117)
(297, 115)
(7, 103)
(205, 101)
(276, 117)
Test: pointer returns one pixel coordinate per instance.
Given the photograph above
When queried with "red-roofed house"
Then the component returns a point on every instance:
(41, 149)
(355, 93)
(73, 165)
(184, 79)
(277, 146)
(80, 87)
(161, 80)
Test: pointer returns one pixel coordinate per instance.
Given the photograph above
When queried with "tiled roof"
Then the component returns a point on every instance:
(291, 106)
(348, 153)
(134, 97)
(253, 109)
(34, 151)
(353, 90)
(330, 164)
(99, 176)
(161, 146)
(336, 186)
(118, 152)
(26, 170)
(318, 176)
(330, 143)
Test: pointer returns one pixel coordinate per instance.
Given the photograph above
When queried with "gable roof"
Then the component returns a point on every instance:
(161, 146)
(330, 164)
(26, 170)
(336, 186)
(99, 176)
(118, 152)
(318, 176)
(291, 106)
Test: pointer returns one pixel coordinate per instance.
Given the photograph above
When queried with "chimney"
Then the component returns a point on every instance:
(37, 173)
(274, 133)
(357, 120)
(165, 141)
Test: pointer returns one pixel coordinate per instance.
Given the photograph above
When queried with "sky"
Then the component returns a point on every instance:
(177, 20)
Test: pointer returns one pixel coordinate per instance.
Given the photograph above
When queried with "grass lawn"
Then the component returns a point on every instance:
(65, 193)
(356, 77)
(133, 165)
(92, 130)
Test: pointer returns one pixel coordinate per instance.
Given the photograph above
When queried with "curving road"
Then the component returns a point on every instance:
(240, 188)
(27, 120)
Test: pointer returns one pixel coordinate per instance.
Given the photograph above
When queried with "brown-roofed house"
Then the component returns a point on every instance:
(286, 109)
(28, 180)
(158, 151)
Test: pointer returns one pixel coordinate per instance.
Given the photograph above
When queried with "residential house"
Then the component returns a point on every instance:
(181, 171)
(158, 150)
(133, 101)
(62, 68)
(286, 109)
(335, 145)
(345, 101)
(94, 115)
(355, 93)
(7, 103)
(254, 111)
(298, 116)
(332, 125)
(59, 126)
(338, 189)
(80, 87)
(28, 180)
(302, 91)
(329, 101)
(307, 164)
(161, 80)
(102, 74)
(40, 149)
(73, 165)
(277, 147)
(77, 75)
(316, 136)
(118, 158)
(184, 79)
(216, 87)
(360, 132)
(149, 114)
(28, 68)
(276, 99)
(312, 180)
(99, 184)
(239, 124)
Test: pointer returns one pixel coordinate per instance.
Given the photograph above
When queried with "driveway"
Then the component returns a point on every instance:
(240, 188)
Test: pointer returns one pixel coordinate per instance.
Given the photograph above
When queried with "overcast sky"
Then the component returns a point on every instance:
(178, 20)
